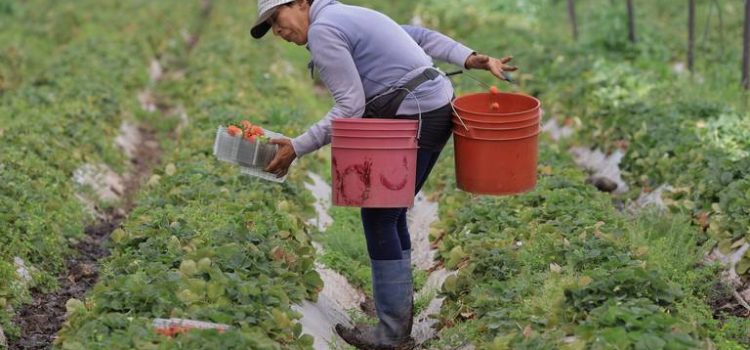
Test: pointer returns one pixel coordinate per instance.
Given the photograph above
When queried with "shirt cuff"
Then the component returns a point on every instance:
(304, 144)
(459, 54)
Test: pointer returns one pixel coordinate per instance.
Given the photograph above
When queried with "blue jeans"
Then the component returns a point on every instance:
(386, 231)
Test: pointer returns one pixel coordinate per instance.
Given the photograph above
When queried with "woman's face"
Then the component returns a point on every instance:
(291, 22)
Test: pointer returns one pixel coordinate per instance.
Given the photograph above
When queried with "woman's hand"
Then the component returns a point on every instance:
(283, 159)
(494, 65)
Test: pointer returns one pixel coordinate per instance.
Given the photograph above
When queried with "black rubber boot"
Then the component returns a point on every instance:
(368, 306)
(393, 293)
(365, 337)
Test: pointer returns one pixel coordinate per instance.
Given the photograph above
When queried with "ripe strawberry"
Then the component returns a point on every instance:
(233, 130)
(493, 90)
(246, 125)
(256, 130)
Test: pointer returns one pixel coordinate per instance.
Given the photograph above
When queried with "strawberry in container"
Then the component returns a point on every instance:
(247, 145)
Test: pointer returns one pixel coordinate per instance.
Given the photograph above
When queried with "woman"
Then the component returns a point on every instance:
(375, 68)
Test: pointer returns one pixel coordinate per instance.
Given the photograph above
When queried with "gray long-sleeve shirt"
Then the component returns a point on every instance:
(360, 53)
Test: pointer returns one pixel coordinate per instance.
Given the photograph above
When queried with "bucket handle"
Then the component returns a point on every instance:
(409, 93)
(455, 112)
(506, 77)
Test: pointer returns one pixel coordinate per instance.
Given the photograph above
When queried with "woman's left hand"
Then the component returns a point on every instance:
(283, 159)
(494, 65)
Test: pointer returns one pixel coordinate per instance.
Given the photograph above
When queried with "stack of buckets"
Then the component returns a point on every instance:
(374, 162)
(495, 137)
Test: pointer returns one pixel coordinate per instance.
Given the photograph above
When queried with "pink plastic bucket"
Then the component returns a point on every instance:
(377, 171)
(374, 123)
(373, 132)
(374, 142)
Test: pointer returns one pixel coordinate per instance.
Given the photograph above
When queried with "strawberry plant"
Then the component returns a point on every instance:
(204, 243)
(60, 110)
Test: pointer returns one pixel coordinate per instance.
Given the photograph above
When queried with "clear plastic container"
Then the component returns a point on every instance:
(252, 157)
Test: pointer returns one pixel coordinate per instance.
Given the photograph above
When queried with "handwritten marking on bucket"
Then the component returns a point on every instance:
(362, 172)
(374, 162)
(403, 174)
(496, 142)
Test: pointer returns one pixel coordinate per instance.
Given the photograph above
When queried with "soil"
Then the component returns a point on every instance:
(40, 320)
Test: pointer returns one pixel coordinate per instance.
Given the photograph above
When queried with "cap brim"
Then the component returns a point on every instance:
(261, 26)
(259, 30)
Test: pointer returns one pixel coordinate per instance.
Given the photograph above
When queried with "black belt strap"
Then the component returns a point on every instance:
(386, 105)
(426, 75)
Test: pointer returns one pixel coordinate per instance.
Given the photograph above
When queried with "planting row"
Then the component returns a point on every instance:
(561, 268)
(58, 126)
(205, 243)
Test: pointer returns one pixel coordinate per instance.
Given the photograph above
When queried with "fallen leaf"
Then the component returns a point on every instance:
(585, 281)
(738, 243)
(597, 232)
(154, 180)
(640, 251)
(546, 170)
(622, 144)
(277, 253)
(528, 332)
(555, 268)
(467, 315)
(703, 220)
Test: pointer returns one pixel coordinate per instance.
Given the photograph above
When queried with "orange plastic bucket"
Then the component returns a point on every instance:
(498, 133)
(376, 171)
(493, 125)
(499, 127)
(501, 107)
(495, 167)
(502, 159)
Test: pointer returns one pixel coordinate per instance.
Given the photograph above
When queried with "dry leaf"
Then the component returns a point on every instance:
(467, 315)
(171, 169)
(527, 332)
(640, 251)
(555, 268)
(546, 170)
(585, 280)
(703, 220)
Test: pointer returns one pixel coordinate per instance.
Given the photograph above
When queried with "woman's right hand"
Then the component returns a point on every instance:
(494, 65)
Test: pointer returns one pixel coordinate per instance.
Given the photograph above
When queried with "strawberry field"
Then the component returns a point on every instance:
(117, 216)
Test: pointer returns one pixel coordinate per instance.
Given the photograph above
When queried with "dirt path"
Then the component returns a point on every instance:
(339, 297)
(41, 319)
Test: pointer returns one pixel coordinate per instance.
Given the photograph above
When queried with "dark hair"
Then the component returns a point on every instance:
(309, 2)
